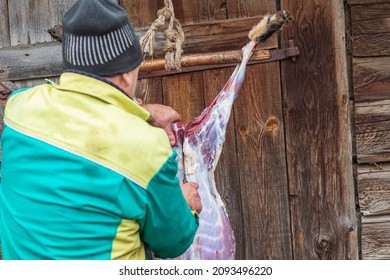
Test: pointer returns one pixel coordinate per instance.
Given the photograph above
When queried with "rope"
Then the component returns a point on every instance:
(173, 33)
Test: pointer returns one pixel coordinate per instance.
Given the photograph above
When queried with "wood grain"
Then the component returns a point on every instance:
(150, 90)
(318, 139)
(376, 238)
(4, 24)
(142, 13)
(189, 11)
(184, 93)
(371, 19)
(371, 78)
(372, 112)
(249, 8)
(262, 165)
(371, 44)
(30, 62)
(30, 19)
(372, 125)
(374, 191)
(363, 2)
(373, 147)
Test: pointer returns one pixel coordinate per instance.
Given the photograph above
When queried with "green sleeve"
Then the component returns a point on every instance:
(169, 226)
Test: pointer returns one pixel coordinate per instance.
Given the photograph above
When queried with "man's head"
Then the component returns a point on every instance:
(99, 39)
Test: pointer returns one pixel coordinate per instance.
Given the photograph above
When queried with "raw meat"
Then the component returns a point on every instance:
(199, 146)
(200, 143)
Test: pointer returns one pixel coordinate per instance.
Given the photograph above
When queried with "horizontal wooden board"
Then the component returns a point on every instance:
(221, 35)
(376, 238)
(371, 78)
(373, 147)
(374, 191)
(354, 2)
(247, 8)
(372, 19)
(372, 112)
(29, 62)
(372, 122)
(372, 126)
(371, 44)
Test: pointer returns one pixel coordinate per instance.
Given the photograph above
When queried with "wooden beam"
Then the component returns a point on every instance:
(200, 62)
(30, 62)
(318, 133)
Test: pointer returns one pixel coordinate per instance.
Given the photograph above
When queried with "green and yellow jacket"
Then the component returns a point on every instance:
(84, 176)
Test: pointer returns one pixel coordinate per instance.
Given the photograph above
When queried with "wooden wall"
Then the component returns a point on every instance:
(370, 63)
(286, 172)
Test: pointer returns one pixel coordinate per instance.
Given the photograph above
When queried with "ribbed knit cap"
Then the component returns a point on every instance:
(99, 39)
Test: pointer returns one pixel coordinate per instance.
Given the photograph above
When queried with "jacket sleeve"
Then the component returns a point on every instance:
(168, 227)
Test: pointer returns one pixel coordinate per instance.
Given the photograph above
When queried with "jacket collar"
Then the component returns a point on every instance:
(102, 89)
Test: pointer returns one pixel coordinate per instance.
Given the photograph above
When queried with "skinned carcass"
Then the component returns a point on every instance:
(199, 145)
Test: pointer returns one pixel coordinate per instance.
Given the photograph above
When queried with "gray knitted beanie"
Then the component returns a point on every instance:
(99, 39)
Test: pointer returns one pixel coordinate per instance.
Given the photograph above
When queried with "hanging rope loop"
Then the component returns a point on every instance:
(173, 33)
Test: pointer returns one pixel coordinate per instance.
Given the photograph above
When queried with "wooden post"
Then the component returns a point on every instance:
(318, 133)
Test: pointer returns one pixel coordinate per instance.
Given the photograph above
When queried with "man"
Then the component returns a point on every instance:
(84, 175)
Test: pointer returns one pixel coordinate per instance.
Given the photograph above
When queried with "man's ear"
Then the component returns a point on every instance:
(125, 79)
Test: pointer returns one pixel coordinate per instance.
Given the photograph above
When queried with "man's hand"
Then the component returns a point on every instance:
(163, 117)
(190, 193)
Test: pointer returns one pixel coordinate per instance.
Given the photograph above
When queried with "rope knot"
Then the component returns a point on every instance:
(173, 33)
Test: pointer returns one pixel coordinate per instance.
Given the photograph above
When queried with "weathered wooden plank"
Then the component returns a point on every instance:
(318, 138)
(184, 93)
(142, 13)
(373, 146)
(43, 60)
(361, 2)
(249, 8)
(227, 174)
(221, 35)
(4, 24)
(189, 11)
(376, 238)
(371, 78)
(372, 112)
(30, 61)
(150, 90)
(30, 19)
(372, 126)
(374, 191)
(261, 153)
(371, 19)
(370, 30)
(371, 44)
